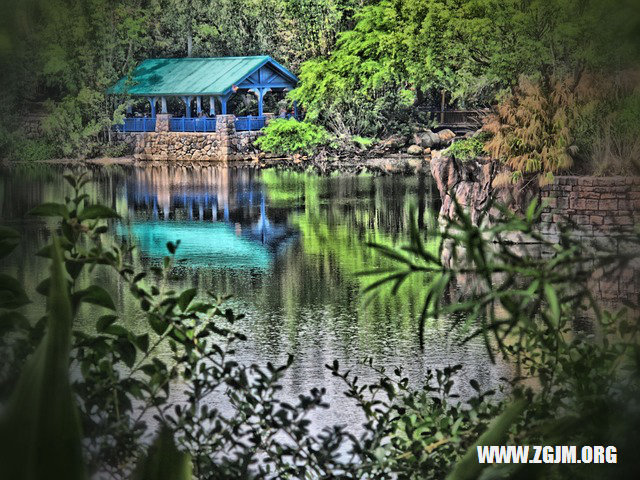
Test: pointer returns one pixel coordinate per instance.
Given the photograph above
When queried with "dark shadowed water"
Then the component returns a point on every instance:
(287, 246)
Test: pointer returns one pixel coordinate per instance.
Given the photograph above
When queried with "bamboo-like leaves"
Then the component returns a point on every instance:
(40, 431)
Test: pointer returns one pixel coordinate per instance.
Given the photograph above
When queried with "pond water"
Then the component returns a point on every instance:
(288, 247)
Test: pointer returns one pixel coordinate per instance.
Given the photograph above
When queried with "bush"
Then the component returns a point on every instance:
(587, 124)
(288, 136)
(531, 128)
(33, 150)
(14, 146)
(467, 149)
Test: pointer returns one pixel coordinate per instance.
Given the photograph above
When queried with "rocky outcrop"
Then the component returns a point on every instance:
(426, 140)
(471, 183)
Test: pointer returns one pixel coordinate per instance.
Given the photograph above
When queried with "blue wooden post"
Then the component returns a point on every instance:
(164, 105)
(223, 102)
(187, 103)
(153, 101)
(295, 109)
(199, 104)
(261, 92)
(212, 106)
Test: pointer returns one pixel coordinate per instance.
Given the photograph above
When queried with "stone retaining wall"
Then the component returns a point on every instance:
(225, 144)
(599, 206)
(603, 209)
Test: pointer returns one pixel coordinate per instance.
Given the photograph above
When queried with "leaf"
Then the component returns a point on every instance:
(93, 212)
(44, 286)
(552, 298)
(40, 433)
(468, 467)
(73, 267)
(142, 342)
(12, 295)
(186, 297)
(9, 240)
(127, 351)
(104, 322)
(158, 325)
(531, 210)
(70, 179)
(164, 461)
(95, 295)
(50, 209)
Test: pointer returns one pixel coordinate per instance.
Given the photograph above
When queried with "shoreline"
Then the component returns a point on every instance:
(395, 164)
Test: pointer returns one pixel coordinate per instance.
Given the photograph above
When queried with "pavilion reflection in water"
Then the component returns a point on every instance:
(219, 214)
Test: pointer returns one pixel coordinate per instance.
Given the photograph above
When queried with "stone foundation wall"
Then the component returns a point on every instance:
(603, 210)
(599, 206)
(225, 144)
(132, 139)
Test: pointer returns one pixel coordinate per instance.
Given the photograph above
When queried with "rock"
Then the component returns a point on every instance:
(414, 150)
(471, 184)
(426, 139)
(394, 142)
(446, 136)
(414, 164)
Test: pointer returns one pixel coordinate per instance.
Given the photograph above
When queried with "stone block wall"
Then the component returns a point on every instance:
(225, 144)
(600, 206)
(603, 209)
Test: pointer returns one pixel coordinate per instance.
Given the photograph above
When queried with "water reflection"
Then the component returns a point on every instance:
(287, 245)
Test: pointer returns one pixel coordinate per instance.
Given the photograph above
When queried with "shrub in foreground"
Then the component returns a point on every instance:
(289, 136)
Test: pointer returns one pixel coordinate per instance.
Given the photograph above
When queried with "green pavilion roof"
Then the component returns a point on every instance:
(197, 76)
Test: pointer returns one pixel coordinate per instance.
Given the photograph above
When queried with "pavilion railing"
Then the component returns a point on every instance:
(136, 125)
(192, 124)
(249, 123)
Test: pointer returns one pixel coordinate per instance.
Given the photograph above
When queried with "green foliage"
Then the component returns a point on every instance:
(402, 53)
(605, 129)
(15, 147)
(467, 149)
(288, 136)
(363, 142)
(40, 434)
